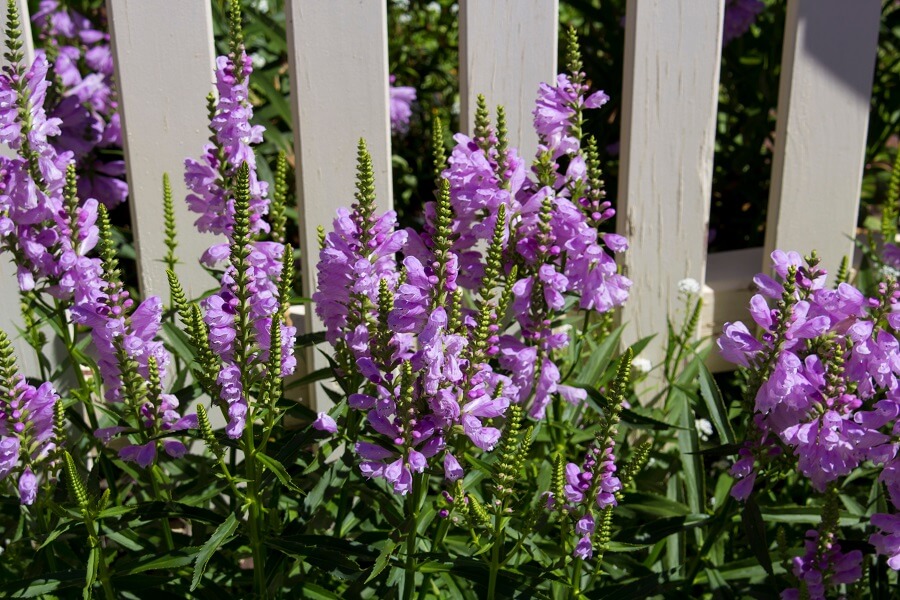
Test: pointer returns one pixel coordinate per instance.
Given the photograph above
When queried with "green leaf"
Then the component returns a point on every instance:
(60, 529)
(40, 587)
(115, 511)
(221, 536)
(752, 520)
(179, 342)
(711, 394)
(654, 504)
(317, 375)
(383, 559)
(600, 358)
(170, 560)
(93, 563)
(315, 592)
(278, 469)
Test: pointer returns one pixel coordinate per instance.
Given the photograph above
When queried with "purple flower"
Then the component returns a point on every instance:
(143, 455)
(452, 468)
(887, 541)
(401, 106)
(739, 16)
(9, 454)
(211, 197)
(556, 108)
(831, 569)
(584, 549)
(27, 487)
(325, 423)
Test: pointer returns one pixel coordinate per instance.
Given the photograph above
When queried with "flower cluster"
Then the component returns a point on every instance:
(84, 100)
(29, 424)
(211, 179)
(439, 371)
(47, 235)
(231, 200)
(823, 566)
(827, 368)
(49, 231)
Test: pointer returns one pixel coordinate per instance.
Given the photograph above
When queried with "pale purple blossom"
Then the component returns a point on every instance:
(401, 99)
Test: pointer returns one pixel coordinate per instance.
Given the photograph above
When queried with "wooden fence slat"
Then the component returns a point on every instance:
(164, 71)
(10, 314)
(823, 110)
(506, 49)
(672, 58)
(339, 93)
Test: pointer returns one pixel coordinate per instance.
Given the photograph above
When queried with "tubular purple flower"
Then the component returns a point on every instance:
(401, 99)
(325, 423)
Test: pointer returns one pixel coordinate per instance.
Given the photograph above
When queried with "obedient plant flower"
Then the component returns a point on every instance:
(42, 224)
(826, 379)
(401, 99)
(211, 179)
(85, 100)
(247, 311)
(524, 250)
(30, 425)
(579, 491)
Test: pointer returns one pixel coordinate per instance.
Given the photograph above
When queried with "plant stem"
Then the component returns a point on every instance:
(158, 495)
(576, 578)
(254, 518)
(496, 543)
(409, 581)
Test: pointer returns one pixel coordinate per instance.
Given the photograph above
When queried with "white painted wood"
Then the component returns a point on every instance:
(506, 49)
(339, 93)
(823, 111)
(672, 56)
(726, 296)
(10, 314)
(164, 71)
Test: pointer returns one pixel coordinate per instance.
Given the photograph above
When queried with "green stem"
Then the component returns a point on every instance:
(496, 543)
(103, 568)
(409, 580)
(158, 495)
(576, 578)
(45, 527)
(254, 518)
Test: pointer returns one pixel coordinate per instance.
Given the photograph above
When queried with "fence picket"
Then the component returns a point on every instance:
(506, 49)
(339, 93)
(824, 98)
(672, 57)
(164, 71)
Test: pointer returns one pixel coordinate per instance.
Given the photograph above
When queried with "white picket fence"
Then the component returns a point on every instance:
(164, 56)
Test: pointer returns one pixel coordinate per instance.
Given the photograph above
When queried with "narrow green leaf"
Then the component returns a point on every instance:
(600, 358)
(383, 559)
(221, 536)
(170, 560)
(712, 395)
(91, 573)
(60, 529)
(278, 470)
(752, 520)
(315, 592)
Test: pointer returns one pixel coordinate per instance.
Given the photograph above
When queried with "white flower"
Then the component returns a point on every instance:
(689, 286)
(641, 364)
(704, 429)
(433, 7)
